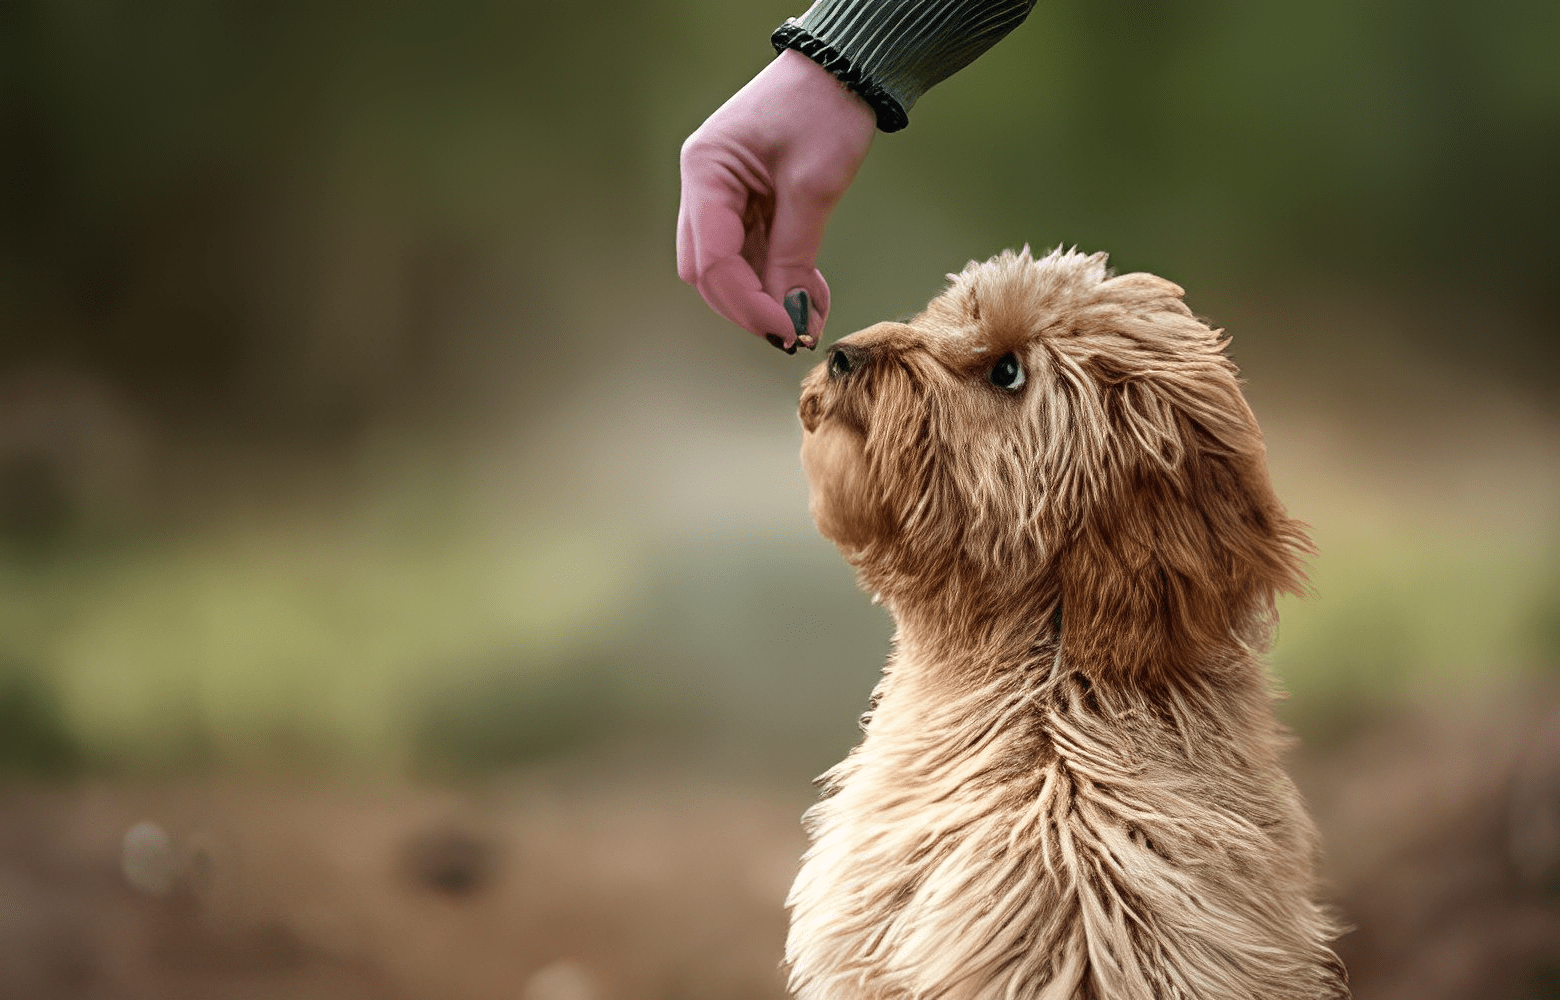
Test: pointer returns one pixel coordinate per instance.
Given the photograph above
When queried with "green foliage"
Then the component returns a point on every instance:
(253, 254)
(34, 740)
(503, 718)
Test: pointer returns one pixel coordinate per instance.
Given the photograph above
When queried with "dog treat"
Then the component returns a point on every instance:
(1070, 781)
(797, 307)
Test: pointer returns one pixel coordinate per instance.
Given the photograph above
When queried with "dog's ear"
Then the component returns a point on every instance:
(1180, 556)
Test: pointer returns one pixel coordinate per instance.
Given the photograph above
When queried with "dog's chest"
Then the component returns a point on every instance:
(940, 852)
(1028, 839)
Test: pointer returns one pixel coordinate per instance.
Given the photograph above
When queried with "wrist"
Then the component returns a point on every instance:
(829, 94)
(795, 43)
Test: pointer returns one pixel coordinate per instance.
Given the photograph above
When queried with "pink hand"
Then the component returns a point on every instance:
(760, 177)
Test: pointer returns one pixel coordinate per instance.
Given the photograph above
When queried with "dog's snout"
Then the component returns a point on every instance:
(843, 360)
(811, 411)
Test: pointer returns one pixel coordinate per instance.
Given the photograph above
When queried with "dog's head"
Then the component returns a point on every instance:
(1045, 429)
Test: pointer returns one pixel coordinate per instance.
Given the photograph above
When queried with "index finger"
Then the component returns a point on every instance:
(710, 240)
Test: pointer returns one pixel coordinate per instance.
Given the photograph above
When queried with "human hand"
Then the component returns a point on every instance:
(759, 179)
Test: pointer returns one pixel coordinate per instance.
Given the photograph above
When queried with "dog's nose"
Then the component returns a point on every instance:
(844, 359)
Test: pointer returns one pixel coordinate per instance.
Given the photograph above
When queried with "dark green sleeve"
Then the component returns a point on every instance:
(893, 51)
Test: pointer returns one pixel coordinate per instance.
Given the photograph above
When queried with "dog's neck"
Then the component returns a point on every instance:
(959, 629)
(953, 629)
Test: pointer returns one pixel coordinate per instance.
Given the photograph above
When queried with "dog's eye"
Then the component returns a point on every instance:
(1007, 373)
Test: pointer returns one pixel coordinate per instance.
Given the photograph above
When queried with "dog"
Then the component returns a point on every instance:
(1069, 782)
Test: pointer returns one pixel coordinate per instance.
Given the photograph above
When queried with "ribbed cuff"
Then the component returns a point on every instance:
(891, 115)
(893, 51)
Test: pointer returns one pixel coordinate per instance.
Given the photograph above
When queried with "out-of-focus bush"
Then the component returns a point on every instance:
(350, 408)
(34, 740)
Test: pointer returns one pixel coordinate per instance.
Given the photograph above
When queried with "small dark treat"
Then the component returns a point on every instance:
(798, 307)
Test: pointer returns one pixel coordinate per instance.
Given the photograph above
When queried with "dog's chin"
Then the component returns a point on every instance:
(843, 503)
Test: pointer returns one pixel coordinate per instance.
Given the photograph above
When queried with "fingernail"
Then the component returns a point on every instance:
(775, 339)
(797, 307)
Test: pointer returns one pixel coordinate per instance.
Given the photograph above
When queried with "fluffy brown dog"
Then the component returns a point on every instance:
(1069, 784)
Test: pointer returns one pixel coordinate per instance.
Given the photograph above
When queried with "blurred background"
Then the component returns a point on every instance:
(406, 584)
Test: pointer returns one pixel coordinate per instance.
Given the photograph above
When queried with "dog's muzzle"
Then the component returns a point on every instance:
(843, 361)
(810, 409)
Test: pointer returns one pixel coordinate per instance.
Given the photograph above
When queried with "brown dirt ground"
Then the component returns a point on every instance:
(1443, 831)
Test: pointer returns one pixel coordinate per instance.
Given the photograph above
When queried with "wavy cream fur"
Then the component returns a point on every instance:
(1069, 785)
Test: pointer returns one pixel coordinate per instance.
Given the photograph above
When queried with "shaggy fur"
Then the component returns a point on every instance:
(1069, 784)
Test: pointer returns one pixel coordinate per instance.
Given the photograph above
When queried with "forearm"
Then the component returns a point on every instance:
(893, 51)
